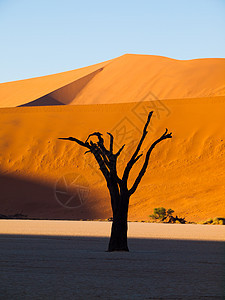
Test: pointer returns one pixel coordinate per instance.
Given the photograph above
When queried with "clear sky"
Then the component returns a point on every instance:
(41, 37)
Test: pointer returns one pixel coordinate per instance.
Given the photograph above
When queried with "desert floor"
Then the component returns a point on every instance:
(67, 260)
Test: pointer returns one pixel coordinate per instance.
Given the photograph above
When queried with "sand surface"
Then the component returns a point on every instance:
(40, 173)
(103, 229)
(50, 265)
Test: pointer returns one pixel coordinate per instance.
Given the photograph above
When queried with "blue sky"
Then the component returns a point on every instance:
(49, 36)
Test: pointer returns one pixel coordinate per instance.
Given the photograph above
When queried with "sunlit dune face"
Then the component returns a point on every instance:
(44, 177)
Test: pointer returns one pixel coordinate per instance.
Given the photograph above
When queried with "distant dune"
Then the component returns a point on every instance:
(128, 78)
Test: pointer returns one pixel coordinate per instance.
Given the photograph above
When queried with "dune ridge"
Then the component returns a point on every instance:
(125, 79)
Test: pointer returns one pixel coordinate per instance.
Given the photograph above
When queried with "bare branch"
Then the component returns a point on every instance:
(105, 158)
(100, 160)
(97, 151)
(137, 158)
(98, 134)
(86, 144)
(100, 142)
(144, 167)
(88, 151)
(120, 150)
(111, 142)
(132, 160)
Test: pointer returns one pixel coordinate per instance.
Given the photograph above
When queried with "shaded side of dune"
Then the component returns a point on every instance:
(64, 95)
(20, 92)
(46, 100)
(29, 198)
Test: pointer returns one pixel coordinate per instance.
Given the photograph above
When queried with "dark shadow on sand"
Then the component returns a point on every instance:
(46, 100)
(33, 199)
(78, 267)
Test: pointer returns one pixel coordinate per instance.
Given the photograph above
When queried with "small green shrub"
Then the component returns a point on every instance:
(209, 221)
(170, 212)
(159, 213)
(215, 221)
(163, 215)
(218, 221)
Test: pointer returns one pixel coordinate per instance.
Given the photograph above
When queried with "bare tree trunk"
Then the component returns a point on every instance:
(119, 192)
(118, 239)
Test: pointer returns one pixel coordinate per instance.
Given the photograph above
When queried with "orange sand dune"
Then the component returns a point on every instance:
(21, 92)
(129, 78)
(132, 78)
(44, 177)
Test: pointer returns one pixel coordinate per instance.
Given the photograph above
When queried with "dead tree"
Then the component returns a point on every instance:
(118, 188)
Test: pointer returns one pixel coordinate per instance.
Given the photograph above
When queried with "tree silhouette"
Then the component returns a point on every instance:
(118, 187)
